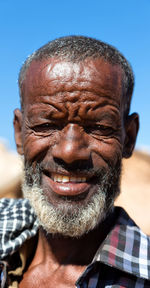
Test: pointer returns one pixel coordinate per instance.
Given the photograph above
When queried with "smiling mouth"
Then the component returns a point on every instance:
(67, 185)
(66, 179)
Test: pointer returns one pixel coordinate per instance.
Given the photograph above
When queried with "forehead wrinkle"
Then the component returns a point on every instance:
(75, 95)
(100, 113)
(73, 111)
(72, 85)
(91, 88)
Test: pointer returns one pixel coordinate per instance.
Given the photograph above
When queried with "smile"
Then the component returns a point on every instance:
(66, 179)
(67, 185)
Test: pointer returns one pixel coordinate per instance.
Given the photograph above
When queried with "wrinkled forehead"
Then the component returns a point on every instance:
(51, 76)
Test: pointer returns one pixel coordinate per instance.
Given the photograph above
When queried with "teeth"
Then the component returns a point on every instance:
(66, 179)
(83, 179)
(78, 179)
(72, 179)
(59, 178)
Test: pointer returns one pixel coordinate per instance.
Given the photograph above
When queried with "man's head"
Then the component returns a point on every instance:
(77, 49)
(73, 130)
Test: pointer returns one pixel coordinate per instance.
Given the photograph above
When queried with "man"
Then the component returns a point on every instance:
(73, 129)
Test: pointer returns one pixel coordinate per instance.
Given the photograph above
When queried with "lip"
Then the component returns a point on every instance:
(67, 189)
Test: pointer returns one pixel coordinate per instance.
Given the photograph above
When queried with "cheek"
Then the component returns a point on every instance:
(105, 152)
(35, 147)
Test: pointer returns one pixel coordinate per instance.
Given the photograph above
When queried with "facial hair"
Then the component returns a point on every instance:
(70, 219)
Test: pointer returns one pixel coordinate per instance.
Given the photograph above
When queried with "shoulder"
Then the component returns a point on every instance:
(15, 210)
(18, 223)
(9, 204)
(127, 247)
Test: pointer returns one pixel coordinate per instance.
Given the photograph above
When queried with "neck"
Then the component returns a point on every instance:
(67, 250)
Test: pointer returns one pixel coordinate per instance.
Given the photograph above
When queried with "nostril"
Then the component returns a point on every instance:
(70, 152)
(77, 165)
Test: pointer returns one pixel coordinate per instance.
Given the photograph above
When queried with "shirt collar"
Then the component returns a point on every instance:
(126, 247)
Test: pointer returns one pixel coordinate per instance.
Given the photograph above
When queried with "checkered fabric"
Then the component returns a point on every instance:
(116, 251)
(122, 260)
(17, 224)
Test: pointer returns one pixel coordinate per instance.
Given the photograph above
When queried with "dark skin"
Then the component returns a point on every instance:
(72, 113)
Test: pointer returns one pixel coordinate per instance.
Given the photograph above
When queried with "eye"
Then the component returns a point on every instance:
(99, 130)
(44, 127)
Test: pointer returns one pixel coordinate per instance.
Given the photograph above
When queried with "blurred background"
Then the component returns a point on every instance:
(27, 25)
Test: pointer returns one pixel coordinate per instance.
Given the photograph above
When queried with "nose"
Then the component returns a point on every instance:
(72, 145)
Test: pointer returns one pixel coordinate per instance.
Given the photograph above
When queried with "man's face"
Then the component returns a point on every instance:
(72, 137)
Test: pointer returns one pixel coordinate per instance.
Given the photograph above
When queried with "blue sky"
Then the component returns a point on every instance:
(28, 24)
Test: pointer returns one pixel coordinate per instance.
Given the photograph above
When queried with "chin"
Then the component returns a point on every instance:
(70, 218)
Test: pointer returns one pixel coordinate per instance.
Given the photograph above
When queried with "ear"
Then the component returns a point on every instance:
(131, 130)
(18, 130)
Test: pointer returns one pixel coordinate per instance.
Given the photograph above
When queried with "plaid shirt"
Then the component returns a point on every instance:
(122, 260)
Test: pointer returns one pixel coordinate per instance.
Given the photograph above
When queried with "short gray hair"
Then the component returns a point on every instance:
(76, 49)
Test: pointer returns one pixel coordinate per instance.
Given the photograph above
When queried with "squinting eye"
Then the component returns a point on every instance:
(104, 128)
(99, 130)
(44, 127)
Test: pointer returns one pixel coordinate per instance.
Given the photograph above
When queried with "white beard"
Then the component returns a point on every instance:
(67, 219)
